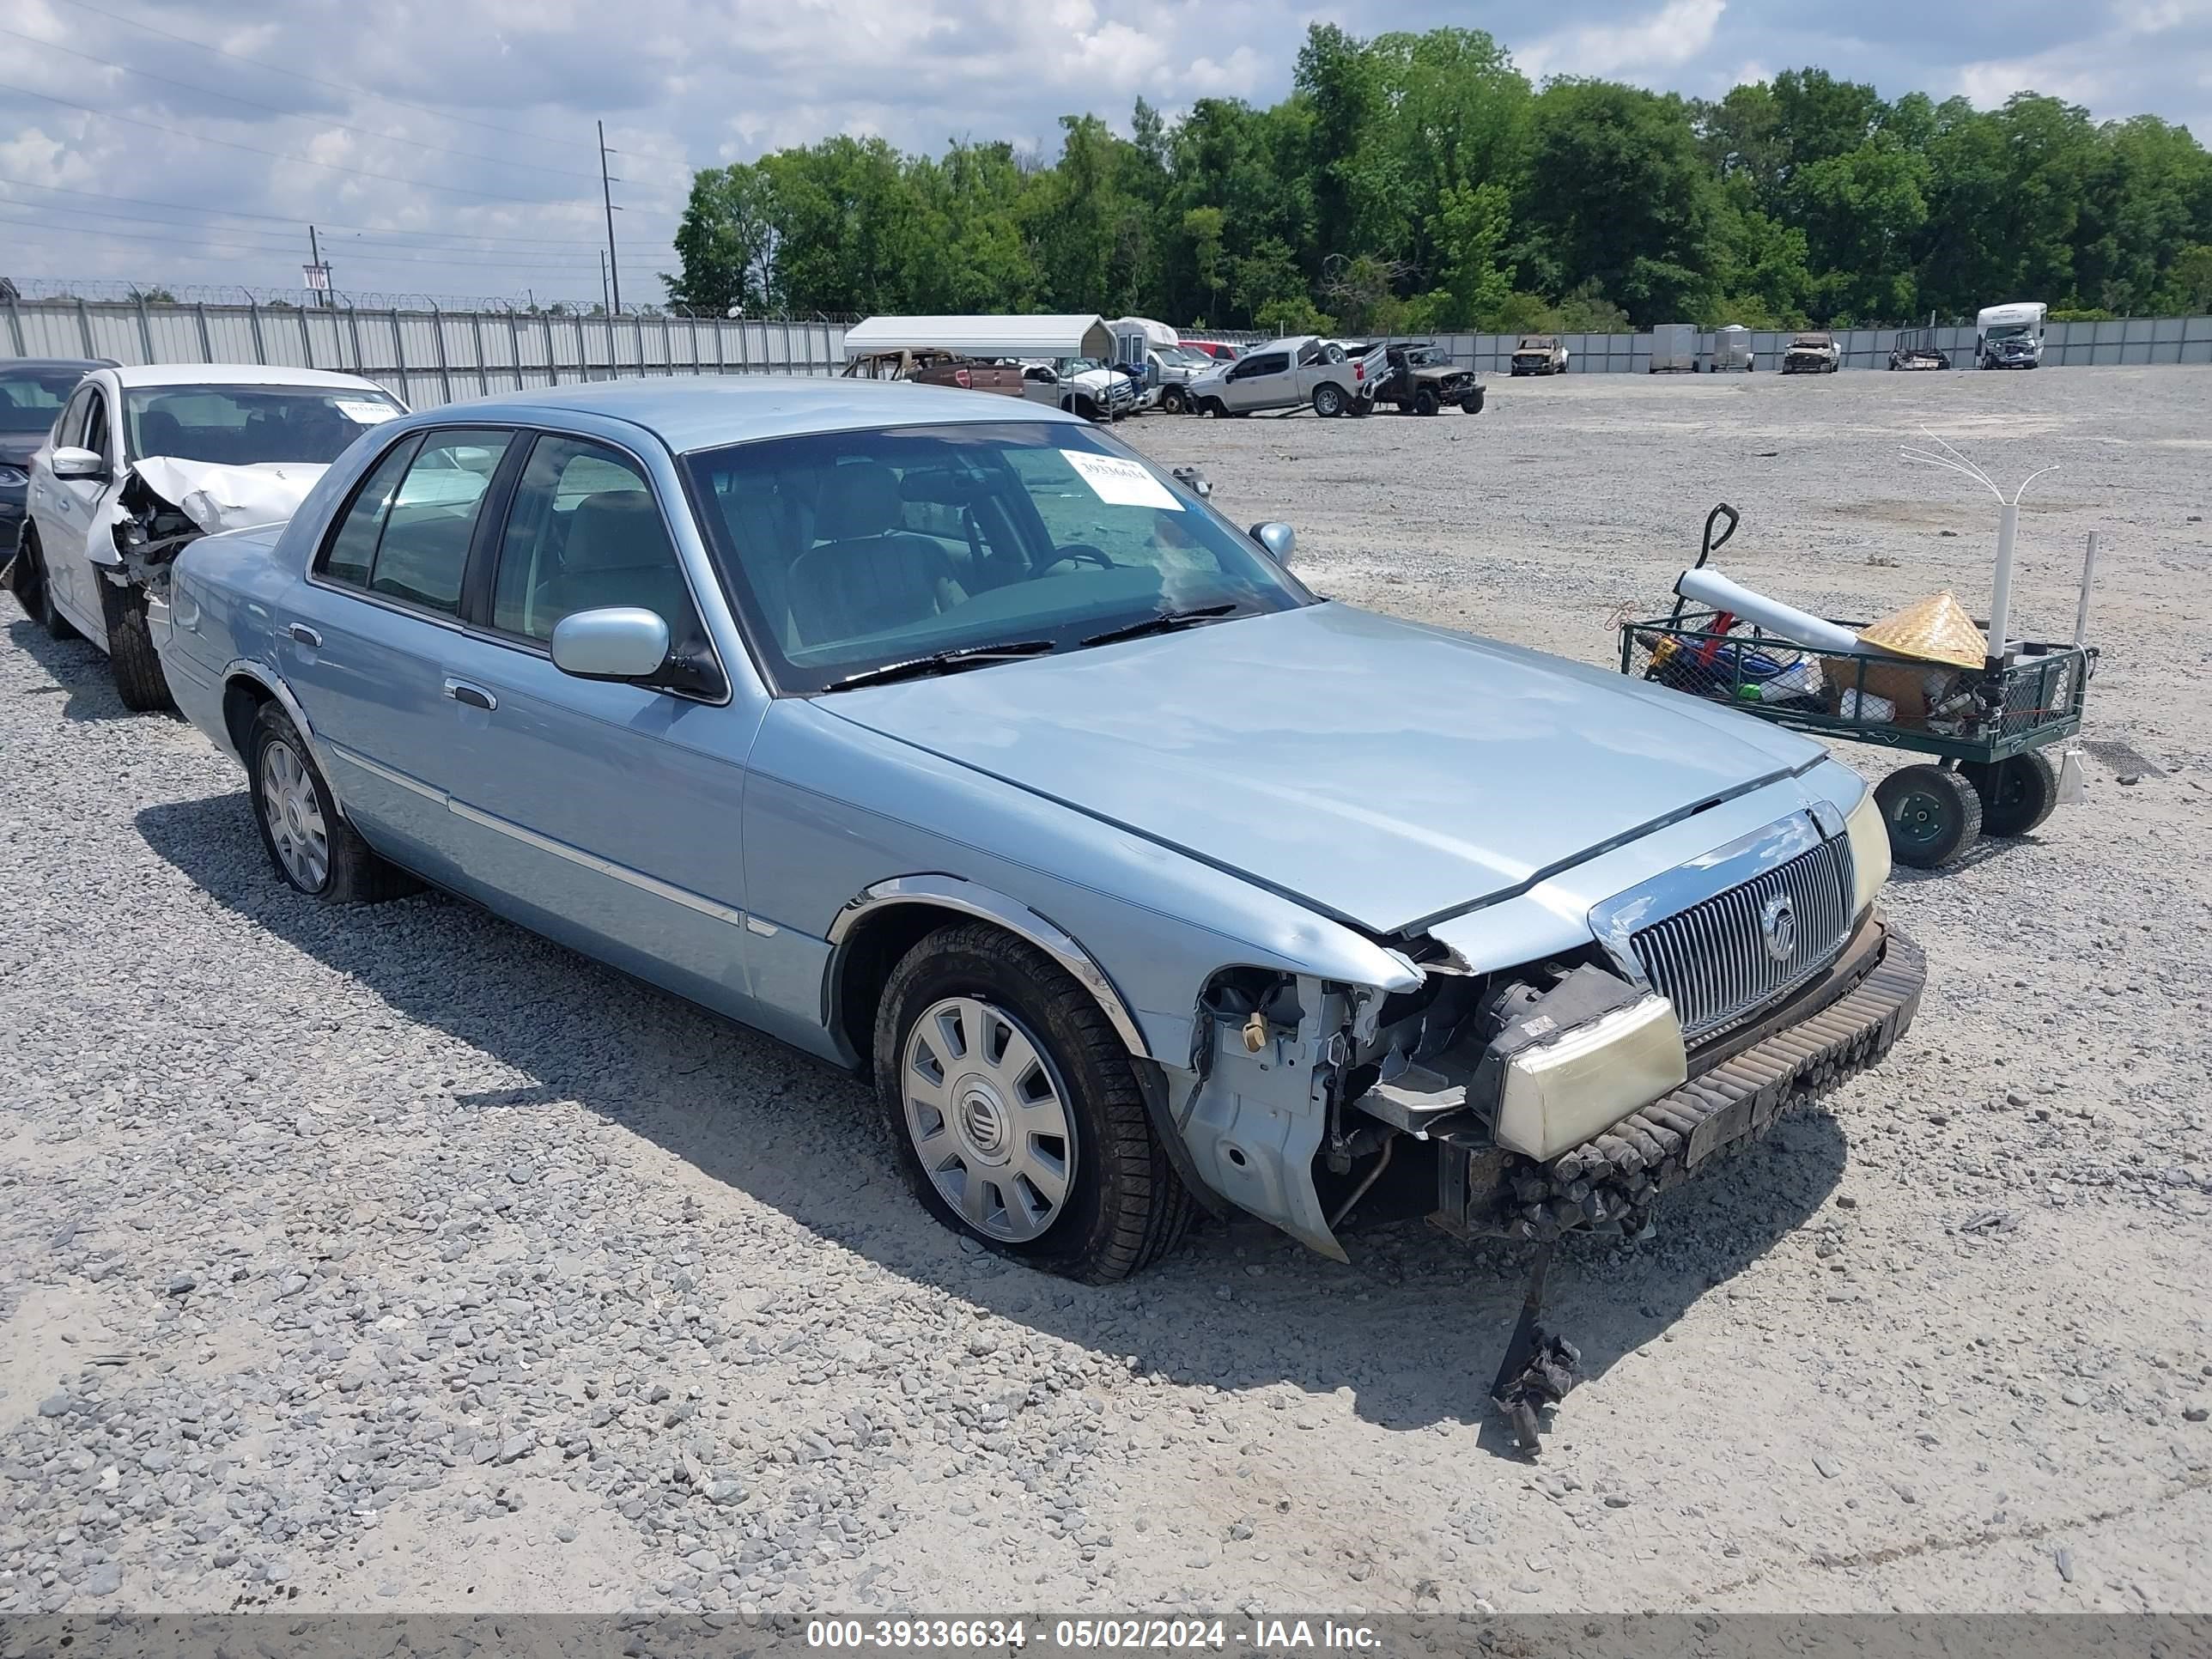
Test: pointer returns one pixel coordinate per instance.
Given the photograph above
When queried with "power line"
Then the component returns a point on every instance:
(293, 114)
(280, 219)
(278, 156)
(240, 246)
(301, 74)
(539, 258)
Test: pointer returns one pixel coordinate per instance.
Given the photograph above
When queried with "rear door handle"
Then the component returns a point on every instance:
(305, 635)
(475, 696)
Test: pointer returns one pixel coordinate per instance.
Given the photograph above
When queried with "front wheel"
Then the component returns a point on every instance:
(1424, 403)
(1016, 1113)
(1472, 403)
(131, 658)
(1328, 401)
(1213, 406)
(1171, 400)
(1933, 814)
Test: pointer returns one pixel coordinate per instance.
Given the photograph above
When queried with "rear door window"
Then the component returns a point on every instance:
(422, 548)
(352, 550)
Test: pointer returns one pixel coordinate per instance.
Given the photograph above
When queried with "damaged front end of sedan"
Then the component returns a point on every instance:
(1530, 1099)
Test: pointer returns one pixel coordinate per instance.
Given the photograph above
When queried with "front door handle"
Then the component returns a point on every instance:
(475, 696)
(305, 635)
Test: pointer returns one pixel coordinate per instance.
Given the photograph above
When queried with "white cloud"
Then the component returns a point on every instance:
(1678, 32)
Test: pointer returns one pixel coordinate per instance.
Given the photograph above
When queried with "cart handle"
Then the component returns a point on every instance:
(1707, 545)
(1711, 542)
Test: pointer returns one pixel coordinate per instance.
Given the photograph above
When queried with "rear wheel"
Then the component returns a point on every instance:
(306, 838)
(1328, 400)
(1016, 1113)
(35, 588)
(1933, 814)
(2017, 794)
(130, 654)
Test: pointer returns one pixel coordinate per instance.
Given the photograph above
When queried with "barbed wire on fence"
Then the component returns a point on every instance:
(114, 291)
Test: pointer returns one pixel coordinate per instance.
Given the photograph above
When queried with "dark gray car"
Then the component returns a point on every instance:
(32, 393)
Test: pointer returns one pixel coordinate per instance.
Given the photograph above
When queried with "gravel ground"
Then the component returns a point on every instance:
(394, 1259)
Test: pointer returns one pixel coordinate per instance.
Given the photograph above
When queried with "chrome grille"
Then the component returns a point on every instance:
(1712, 961)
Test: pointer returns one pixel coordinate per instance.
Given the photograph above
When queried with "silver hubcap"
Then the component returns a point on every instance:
(295, 817)
(988, 1118)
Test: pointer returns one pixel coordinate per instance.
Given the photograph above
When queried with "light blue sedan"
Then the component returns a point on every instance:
(949, 740)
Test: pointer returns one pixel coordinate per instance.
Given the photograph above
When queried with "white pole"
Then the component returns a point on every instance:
(2081, 612)
(2001, 598)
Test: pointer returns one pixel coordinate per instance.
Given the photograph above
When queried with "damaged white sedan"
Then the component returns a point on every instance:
(142, 462)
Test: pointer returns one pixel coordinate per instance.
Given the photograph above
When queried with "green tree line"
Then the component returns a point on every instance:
(1419, 182)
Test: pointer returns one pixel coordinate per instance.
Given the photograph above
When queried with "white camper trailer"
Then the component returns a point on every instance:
(2010, 337)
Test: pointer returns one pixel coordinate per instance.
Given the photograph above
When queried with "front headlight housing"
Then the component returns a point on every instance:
(13, 477)
(1869, 838)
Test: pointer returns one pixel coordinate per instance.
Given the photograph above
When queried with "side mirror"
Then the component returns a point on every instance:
(1278, 541)
(71, 462)
(617, 643)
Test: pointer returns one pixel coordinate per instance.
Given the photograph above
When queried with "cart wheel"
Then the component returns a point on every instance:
(1933, 814)
(2017, 794)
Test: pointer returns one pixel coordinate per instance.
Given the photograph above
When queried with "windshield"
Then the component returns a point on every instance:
(2007, 332)
(1428, 357)
(848, 550)
(31, 397)
(241, 425)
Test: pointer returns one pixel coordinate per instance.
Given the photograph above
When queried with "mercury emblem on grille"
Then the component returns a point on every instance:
(1777, 927)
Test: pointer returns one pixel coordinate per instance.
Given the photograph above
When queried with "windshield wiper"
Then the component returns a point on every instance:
(943, 662)
(1164, 622)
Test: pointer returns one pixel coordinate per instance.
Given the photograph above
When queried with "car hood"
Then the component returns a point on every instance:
(17, 448)
(1384, 772)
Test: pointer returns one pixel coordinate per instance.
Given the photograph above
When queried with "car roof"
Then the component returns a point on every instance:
(83, 365)
(153, 374)
(706, 412)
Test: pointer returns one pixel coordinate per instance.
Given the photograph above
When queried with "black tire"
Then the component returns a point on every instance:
(39, 602)
(2016, 794)
(355, 875)
(1328, 400)
(1932, 815)
(1125, 1208)
(130, 654)
(1214, 407)
(1171, 399)
(1472, 403)
(1424, 403)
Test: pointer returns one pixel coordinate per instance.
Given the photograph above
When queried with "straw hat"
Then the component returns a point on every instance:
(1934, 630)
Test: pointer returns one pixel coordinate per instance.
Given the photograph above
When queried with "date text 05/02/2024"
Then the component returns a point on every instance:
(1110, 1635)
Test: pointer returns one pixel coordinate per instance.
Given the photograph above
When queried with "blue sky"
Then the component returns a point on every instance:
(448, 149)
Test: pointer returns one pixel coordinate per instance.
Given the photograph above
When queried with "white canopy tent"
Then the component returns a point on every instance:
(985, 336)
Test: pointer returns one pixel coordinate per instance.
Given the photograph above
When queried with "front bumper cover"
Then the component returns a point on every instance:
(1843, 1023)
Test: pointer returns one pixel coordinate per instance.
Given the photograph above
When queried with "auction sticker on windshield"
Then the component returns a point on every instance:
(1119, 483)
(366, 414)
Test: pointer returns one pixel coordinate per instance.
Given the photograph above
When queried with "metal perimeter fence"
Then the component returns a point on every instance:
(432, 356)
(424, 357)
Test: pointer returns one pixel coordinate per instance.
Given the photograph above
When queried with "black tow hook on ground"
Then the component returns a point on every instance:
(1539, 1368)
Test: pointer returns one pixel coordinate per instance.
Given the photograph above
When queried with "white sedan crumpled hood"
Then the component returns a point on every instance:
(219, 498)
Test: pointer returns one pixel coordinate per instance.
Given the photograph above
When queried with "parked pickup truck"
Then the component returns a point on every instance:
(1421, 378)
(1081, 385)
(1291, 373)
(1812, 354)
(1539, 354)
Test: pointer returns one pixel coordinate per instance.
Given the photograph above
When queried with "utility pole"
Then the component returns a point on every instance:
(605, 304)
(319, 274)
(606, 198)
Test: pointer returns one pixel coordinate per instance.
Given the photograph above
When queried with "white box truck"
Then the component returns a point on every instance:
(1674, 349)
